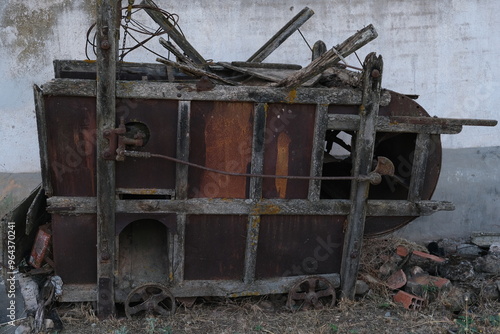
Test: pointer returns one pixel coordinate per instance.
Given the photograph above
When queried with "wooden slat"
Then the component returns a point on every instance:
(42, 140)
(107, 49)
(80, 69)
(170, 29)
(87, 205)
(295, 23)
(183, 149)
(420, 158)
(318, 151)
(257, 164)
(221, 288)
(362, 162)
(188, 92)
(331, 57)
(251, 248)
(386, 124)
(179, 242)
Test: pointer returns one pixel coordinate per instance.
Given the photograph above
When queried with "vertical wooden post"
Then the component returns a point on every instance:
(318, 151)
(362, 164)
(420, 159)
(108, 12)
(253, 225)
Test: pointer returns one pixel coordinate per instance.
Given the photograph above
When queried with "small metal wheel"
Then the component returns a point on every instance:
(311, 293)
(151, 298)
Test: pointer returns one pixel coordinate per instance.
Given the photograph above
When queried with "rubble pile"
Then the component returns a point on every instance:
(458, 274)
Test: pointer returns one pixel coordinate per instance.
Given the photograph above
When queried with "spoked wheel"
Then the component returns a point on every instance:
(311, 293)
(150, 298)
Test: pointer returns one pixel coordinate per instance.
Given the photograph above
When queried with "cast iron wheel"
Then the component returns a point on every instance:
(311, 293)
(151, 298)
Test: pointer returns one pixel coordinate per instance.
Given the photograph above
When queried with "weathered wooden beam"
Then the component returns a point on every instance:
(73, 293)
(295, 23)
(183, 129)
(232, 289)
(362, 164)
(419, 166)
(331, 57)
(198, 206)
(196, 71)
(188, 92)
(257, 165)
(41, 123)
(80, 69)
(221, 288)
(318, 150)
(179, 245)
(267, 66)
(108, 14)
(252, 241)
(180, 57)
(387, 124)
(150, 8)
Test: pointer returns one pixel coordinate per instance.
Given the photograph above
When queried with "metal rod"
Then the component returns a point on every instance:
(136, 154)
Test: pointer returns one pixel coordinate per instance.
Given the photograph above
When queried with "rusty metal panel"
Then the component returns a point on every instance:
(221, 138)
(71, 138)
(288, 149)
(74, 247)
(143, 253)
(215, 247)
(299, 245)
(158, 120)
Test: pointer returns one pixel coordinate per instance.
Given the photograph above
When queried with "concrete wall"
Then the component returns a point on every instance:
(470, 178)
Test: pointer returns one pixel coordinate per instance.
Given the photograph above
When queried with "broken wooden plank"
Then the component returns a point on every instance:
(86, 69)
(281, 35)
(331, 57)
(270, 66)
(196, 71)
(178, 54)
(151, 8)
(269, 74)
(362, 162)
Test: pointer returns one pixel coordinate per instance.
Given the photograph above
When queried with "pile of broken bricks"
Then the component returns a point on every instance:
(464, 273)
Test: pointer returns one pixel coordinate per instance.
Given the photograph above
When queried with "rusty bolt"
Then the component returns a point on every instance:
(106, 155)
(106, 133)
(375, 73)
(105, 45)
(354, 255)
(104, 296)
(179, 95)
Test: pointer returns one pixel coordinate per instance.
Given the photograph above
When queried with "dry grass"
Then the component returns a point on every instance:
(374, 313)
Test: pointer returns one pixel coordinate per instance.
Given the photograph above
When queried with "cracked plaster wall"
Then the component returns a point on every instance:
(445, 51)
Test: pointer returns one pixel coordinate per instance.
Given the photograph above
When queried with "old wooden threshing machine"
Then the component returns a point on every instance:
(194, 178)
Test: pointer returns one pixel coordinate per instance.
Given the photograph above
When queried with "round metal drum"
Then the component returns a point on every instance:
(398, 147)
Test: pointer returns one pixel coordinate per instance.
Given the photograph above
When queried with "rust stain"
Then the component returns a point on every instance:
(266, 209)
(282, 163)
(292, 95)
